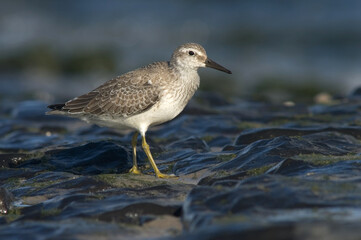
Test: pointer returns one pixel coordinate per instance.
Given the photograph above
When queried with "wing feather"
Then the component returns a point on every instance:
(115, 98)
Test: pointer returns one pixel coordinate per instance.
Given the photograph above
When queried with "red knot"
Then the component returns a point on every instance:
(145, 97)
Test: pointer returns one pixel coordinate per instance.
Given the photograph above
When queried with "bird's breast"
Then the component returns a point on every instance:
(174, 98)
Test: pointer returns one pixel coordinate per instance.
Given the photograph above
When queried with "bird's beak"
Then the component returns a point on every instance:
(212, 64)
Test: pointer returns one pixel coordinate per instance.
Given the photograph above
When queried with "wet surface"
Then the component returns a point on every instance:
(246, 170)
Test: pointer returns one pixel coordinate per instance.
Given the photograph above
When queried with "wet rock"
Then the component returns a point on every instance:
(274, 150)
(5, 127)
(69, 183)
(7, 174)
(267, 133)
(290, 167)
(172, 156)
(139, 213)
(91, 158)
(198, 162)
(282, 231)
(6, 200)
(219, 141)
(115, 208)
(258, 195)
(52, 208)
(61, 229)
(185, 126)
(191, 143)
(246, 170)
(335, 110)
(20, 140)
(8, 160)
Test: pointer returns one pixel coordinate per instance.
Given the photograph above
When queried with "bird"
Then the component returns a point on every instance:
(144, 97)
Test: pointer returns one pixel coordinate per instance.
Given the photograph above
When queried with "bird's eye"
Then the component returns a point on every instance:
(191, 53)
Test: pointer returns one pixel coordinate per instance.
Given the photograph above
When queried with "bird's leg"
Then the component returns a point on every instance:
(135, 168)
(152, 162)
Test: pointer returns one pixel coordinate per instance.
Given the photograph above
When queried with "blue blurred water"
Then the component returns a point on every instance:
(293, 40)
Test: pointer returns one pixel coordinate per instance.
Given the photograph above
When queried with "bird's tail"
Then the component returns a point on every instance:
(55, 109)
(56, 106)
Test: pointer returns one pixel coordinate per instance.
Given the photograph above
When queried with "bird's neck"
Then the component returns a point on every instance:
(187, 79)
(184, 71)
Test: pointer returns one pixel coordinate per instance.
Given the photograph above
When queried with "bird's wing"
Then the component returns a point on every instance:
(117, 97)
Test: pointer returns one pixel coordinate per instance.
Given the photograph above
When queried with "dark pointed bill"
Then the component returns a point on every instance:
(213, 64)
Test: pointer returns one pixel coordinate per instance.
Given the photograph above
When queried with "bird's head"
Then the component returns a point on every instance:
(193, 56)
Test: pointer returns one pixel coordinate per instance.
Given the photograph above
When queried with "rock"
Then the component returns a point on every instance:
(91, 158)
(246, 170)
(6, 200)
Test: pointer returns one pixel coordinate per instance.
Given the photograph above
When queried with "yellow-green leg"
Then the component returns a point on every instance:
(151, 160)
(135, 168)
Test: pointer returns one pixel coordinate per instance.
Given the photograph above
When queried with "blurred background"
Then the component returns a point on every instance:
(278, 50)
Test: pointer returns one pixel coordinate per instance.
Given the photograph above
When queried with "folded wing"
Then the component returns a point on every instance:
(115, 99)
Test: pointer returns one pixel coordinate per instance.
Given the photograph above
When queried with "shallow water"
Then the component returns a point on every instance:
(246, 170)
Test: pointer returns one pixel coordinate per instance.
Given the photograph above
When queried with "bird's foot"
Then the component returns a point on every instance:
(162, 175)
(135, 170)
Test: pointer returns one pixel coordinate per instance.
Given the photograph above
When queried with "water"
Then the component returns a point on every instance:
(284, 41)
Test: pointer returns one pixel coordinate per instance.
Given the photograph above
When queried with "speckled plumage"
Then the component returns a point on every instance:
(123, 96)
(144, 97)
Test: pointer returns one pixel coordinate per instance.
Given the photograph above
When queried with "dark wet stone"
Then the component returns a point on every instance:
(6, 174)
(262, 155)
(255, 195)
(50, 176)
(21, 140)
(219, 141)
(6, 200)
(198, 162)
(250, 136)
(191, 143)
(52, 208)
(282, 231)
(237, 231)
(5, 128)
(290, 167)
(61, 230)
(91, 158)
(274, 150)
(138, 213)
(8, 160)
(70, 184)
(335, 110)
(83, 184)
(185, 126)
(246, 170)
(162, 191)
(119, 208)
(175, 155)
